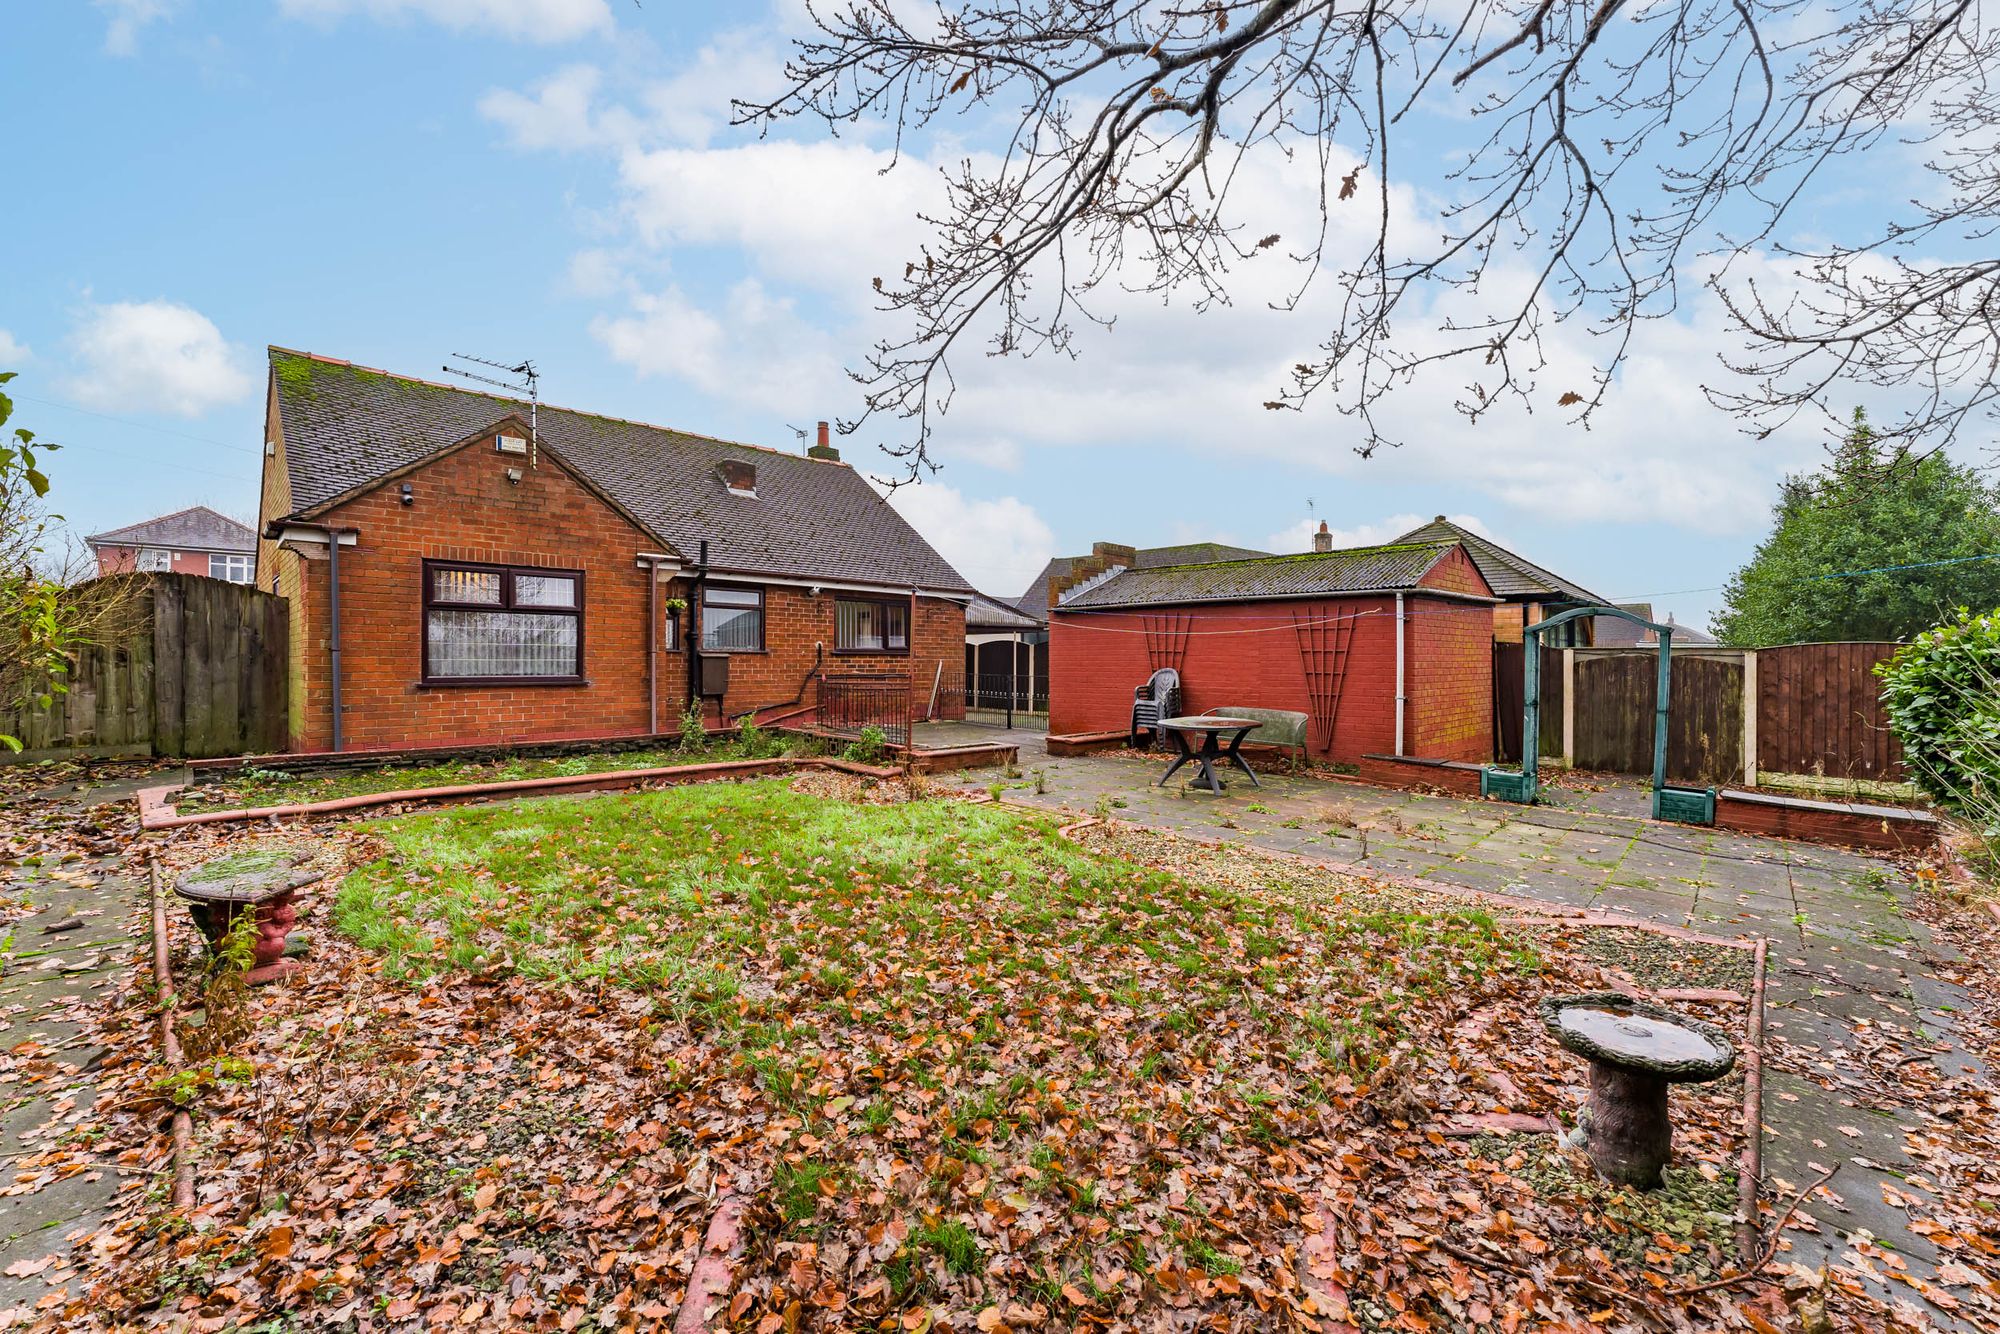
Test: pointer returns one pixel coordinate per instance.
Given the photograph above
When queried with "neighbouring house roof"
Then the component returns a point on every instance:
(1398, 567)
(1512, 577)
(1616, 631)
(1035, 602)
(197, 528)
(990, 614)
(347, 427)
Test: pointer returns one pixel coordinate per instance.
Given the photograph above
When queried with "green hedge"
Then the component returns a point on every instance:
(1942, 694)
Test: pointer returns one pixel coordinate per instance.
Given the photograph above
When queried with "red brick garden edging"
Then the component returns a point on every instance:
(156, 809)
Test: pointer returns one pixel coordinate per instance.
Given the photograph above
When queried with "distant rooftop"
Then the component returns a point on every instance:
(1035, 602)
(197, 528)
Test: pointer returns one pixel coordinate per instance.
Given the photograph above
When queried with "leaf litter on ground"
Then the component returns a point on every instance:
(968, 1073)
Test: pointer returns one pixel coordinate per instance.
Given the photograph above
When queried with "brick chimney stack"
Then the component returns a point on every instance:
(1322, 540)
(824, 448)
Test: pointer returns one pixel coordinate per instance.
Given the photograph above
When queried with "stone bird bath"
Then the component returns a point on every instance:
(1635, 1049)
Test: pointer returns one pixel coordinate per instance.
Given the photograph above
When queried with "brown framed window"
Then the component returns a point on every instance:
(502, 623)
(732, 619)
(868, 625)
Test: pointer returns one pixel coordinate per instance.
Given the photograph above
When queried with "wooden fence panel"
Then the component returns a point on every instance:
(1819, 711)
(1508, 698)
(1614, 714)
(192, 666)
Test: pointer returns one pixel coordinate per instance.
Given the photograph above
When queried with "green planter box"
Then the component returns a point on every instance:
(1685, 805)
(1504, 784)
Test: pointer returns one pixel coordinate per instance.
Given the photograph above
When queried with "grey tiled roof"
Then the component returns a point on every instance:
(1388, 569)
(1035, 601)
(1509, 575)
(346, 427)
(197, 528)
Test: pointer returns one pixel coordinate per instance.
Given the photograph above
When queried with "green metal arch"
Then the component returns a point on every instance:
(1525, 786)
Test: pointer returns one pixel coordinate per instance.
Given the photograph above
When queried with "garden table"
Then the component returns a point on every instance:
(1213, 747)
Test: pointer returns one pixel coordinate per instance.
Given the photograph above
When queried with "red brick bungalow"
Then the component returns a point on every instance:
(1326, 634)
(498, 589)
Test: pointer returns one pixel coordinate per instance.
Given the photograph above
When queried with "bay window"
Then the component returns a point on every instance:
(502, 623)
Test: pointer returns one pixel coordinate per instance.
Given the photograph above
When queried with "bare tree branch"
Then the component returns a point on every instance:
(1605, 152)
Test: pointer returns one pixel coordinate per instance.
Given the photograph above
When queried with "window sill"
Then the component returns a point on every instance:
(489, 682)
(871, 653)
(733, 652)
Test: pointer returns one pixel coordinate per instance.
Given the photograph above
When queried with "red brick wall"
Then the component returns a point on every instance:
(799, 631)
(1449, 660)
(465, 509)
(1813, 823)
(1247, 655)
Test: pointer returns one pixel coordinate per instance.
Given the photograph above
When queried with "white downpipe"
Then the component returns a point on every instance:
(1400, 696)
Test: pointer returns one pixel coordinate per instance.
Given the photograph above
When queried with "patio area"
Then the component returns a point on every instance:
(1863, 1012)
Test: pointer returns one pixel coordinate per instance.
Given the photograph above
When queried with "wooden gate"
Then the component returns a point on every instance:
(1508, 701)
(1819, 711)
(1614, 714)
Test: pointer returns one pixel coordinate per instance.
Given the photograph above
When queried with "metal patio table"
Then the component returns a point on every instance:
(1221, 740)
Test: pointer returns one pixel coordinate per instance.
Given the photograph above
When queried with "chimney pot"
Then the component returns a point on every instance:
(1323, 539)
(823, 447)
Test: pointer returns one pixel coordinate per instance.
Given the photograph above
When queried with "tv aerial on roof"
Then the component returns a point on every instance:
(524, 380)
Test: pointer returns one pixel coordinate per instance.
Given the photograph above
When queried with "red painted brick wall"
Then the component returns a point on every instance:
(1245, 655)
(1449, 648)
(465, 509)
(123, 560)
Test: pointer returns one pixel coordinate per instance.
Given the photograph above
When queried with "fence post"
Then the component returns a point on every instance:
(1749, 717)
(1569, 708)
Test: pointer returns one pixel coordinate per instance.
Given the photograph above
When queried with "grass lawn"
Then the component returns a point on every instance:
(970, 1075)
(246, 788)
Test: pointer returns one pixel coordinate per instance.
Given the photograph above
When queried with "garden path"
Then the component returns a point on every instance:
(1858, 987)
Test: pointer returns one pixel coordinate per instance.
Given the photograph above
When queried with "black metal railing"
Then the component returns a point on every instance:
(850, 705)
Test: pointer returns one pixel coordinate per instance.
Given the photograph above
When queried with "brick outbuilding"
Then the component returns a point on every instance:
(1315, 633)
(506, 582)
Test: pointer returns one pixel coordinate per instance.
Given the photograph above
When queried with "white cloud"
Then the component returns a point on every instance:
(1299, 536)
(560, 112)
(12, 351)
(999, 544)
(822, 218)
(755, 350)
(522, 20)
(121, 35)
(155, 356)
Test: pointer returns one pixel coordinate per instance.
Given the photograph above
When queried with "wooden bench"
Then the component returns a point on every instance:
(1276, 727)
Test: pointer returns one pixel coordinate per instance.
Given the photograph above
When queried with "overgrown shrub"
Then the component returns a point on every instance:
(754, 743)
(869, 748)
(694, 735)
(1942, 694)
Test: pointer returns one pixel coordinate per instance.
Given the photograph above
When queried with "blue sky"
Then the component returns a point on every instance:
(390, 181)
